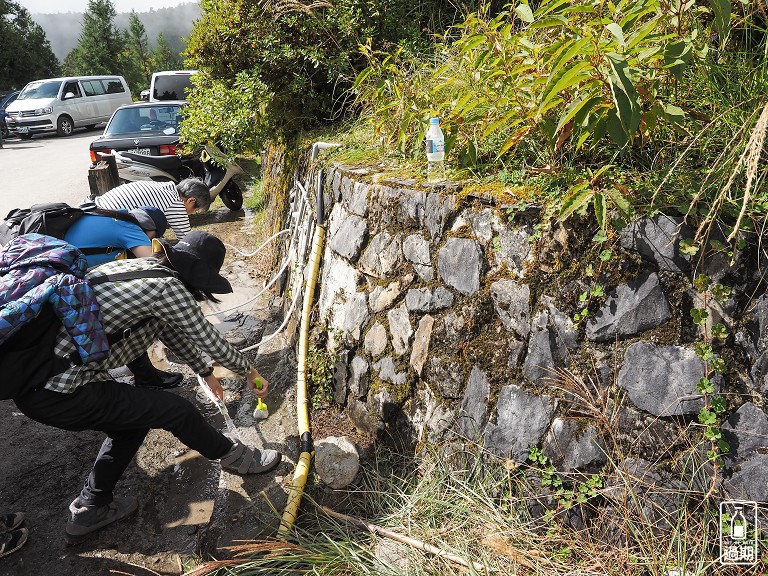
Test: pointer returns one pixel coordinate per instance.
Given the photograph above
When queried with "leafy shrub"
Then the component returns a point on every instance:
(298, 64)
(556, 80)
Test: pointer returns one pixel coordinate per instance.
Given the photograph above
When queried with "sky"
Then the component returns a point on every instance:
(53, 6)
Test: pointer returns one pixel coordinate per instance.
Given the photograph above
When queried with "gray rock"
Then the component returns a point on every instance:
(480, 222)
(387, 370)
(436, 420)
(416, 250)
(339, 278)
(400, 329)
(513, 248)
(662, 380)
(395, 557)
(383, 404)
(473, 414)
(459, 264)
(362, 418)
(375, 341)
(340, 376)
(657, 240)
(412, 208)
(759, 372)
(445, 375)
(421, 343)
(382, 256)
(642, 492)
(382, 298)
(521, 421)
(746, 431)
(358, 377)
(350, 237)
(350, 315)
(336, 461)
(453, 324)
(438, 210)
(551, 339)
(760, 324)
(748, 483)
(570, 446)
(511, 301)
(631, 309)
(425, 300)
(357, 201)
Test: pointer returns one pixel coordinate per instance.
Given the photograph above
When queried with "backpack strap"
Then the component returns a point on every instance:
(119, 335)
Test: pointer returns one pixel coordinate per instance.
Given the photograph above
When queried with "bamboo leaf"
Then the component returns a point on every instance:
(617, 32)
(574, 108)
(677, 55)
(502, 122)
(601, 209)
(565, 57)
(722, 12)
(625, 97)
(569, 78)
(524, 12)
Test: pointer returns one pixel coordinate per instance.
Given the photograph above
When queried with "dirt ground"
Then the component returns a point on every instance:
(188, 508)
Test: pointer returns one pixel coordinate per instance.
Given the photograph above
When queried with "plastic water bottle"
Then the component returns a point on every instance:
(435, 152)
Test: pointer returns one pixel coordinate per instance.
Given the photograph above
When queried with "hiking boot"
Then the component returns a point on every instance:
(86, 519)
(162, 380)
(244, 460)
(12, 541)
(10, 522)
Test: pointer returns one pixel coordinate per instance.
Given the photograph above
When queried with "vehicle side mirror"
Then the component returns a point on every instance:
(69, 95)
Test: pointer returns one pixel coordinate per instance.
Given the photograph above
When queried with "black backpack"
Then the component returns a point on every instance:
(55, 219)
(27, 358)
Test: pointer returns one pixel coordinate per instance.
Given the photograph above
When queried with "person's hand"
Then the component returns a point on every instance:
(213, 383)
(257, 383)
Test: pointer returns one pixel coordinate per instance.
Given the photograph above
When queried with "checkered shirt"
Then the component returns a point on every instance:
(178, 322)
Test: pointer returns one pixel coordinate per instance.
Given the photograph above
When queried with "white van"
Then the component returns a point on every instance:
(63, 104)
(170, 85)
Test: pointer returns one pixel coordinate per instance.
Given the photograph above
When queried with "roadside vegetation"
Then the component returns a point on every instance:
(601, 110)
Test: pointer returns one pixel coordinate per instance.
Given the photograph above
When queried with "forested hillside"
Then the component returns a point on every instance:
(174, 23)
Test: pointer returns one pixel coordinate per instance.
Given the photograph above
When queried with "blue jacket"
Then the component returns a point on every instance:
(36, 270)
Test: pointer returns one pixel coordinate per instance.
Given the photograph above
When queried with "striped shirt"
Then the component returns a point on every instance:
(162, 195)
(177, 321)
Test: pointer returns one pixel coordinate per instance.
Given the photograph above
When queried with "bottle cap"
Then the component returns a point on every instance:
(434, 120)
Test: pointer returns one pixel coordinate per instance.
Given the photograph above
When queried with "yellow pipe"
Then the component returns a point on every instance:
(302, 404)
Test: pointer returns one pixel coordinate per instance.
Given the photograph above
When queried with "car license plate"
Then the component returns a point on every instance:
(144, 151)
(22, 129)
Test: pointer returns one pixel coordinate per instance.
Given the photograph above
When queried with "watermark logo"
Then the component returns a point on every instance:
(738, 533)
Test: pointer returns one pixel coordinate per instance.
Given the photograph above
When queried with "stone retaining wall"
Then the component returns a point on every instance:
(452, 315)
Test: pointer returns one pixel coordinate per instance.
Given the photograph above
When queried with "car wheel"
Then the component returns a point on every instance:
(232, 196)
(64, 126)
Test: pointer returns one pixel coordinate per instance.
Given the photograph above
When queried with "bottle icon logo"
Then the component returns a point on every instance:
(738, 533)
(738, 523)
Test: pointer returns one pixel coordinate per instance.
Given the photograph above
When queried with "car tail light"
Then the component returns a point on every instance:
(168, 150)
(96, 155)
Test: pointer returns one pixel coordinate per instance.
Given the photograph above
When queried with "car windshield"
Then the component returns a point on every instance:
(48, 89)
(145, 121)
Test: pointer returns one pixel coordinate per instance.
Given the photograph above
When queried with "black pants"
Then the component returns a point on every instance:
(125, 414)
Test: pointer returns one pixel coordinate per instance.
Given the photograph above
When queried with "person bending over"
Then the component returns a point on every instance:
(177, 201)
(87, 398)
